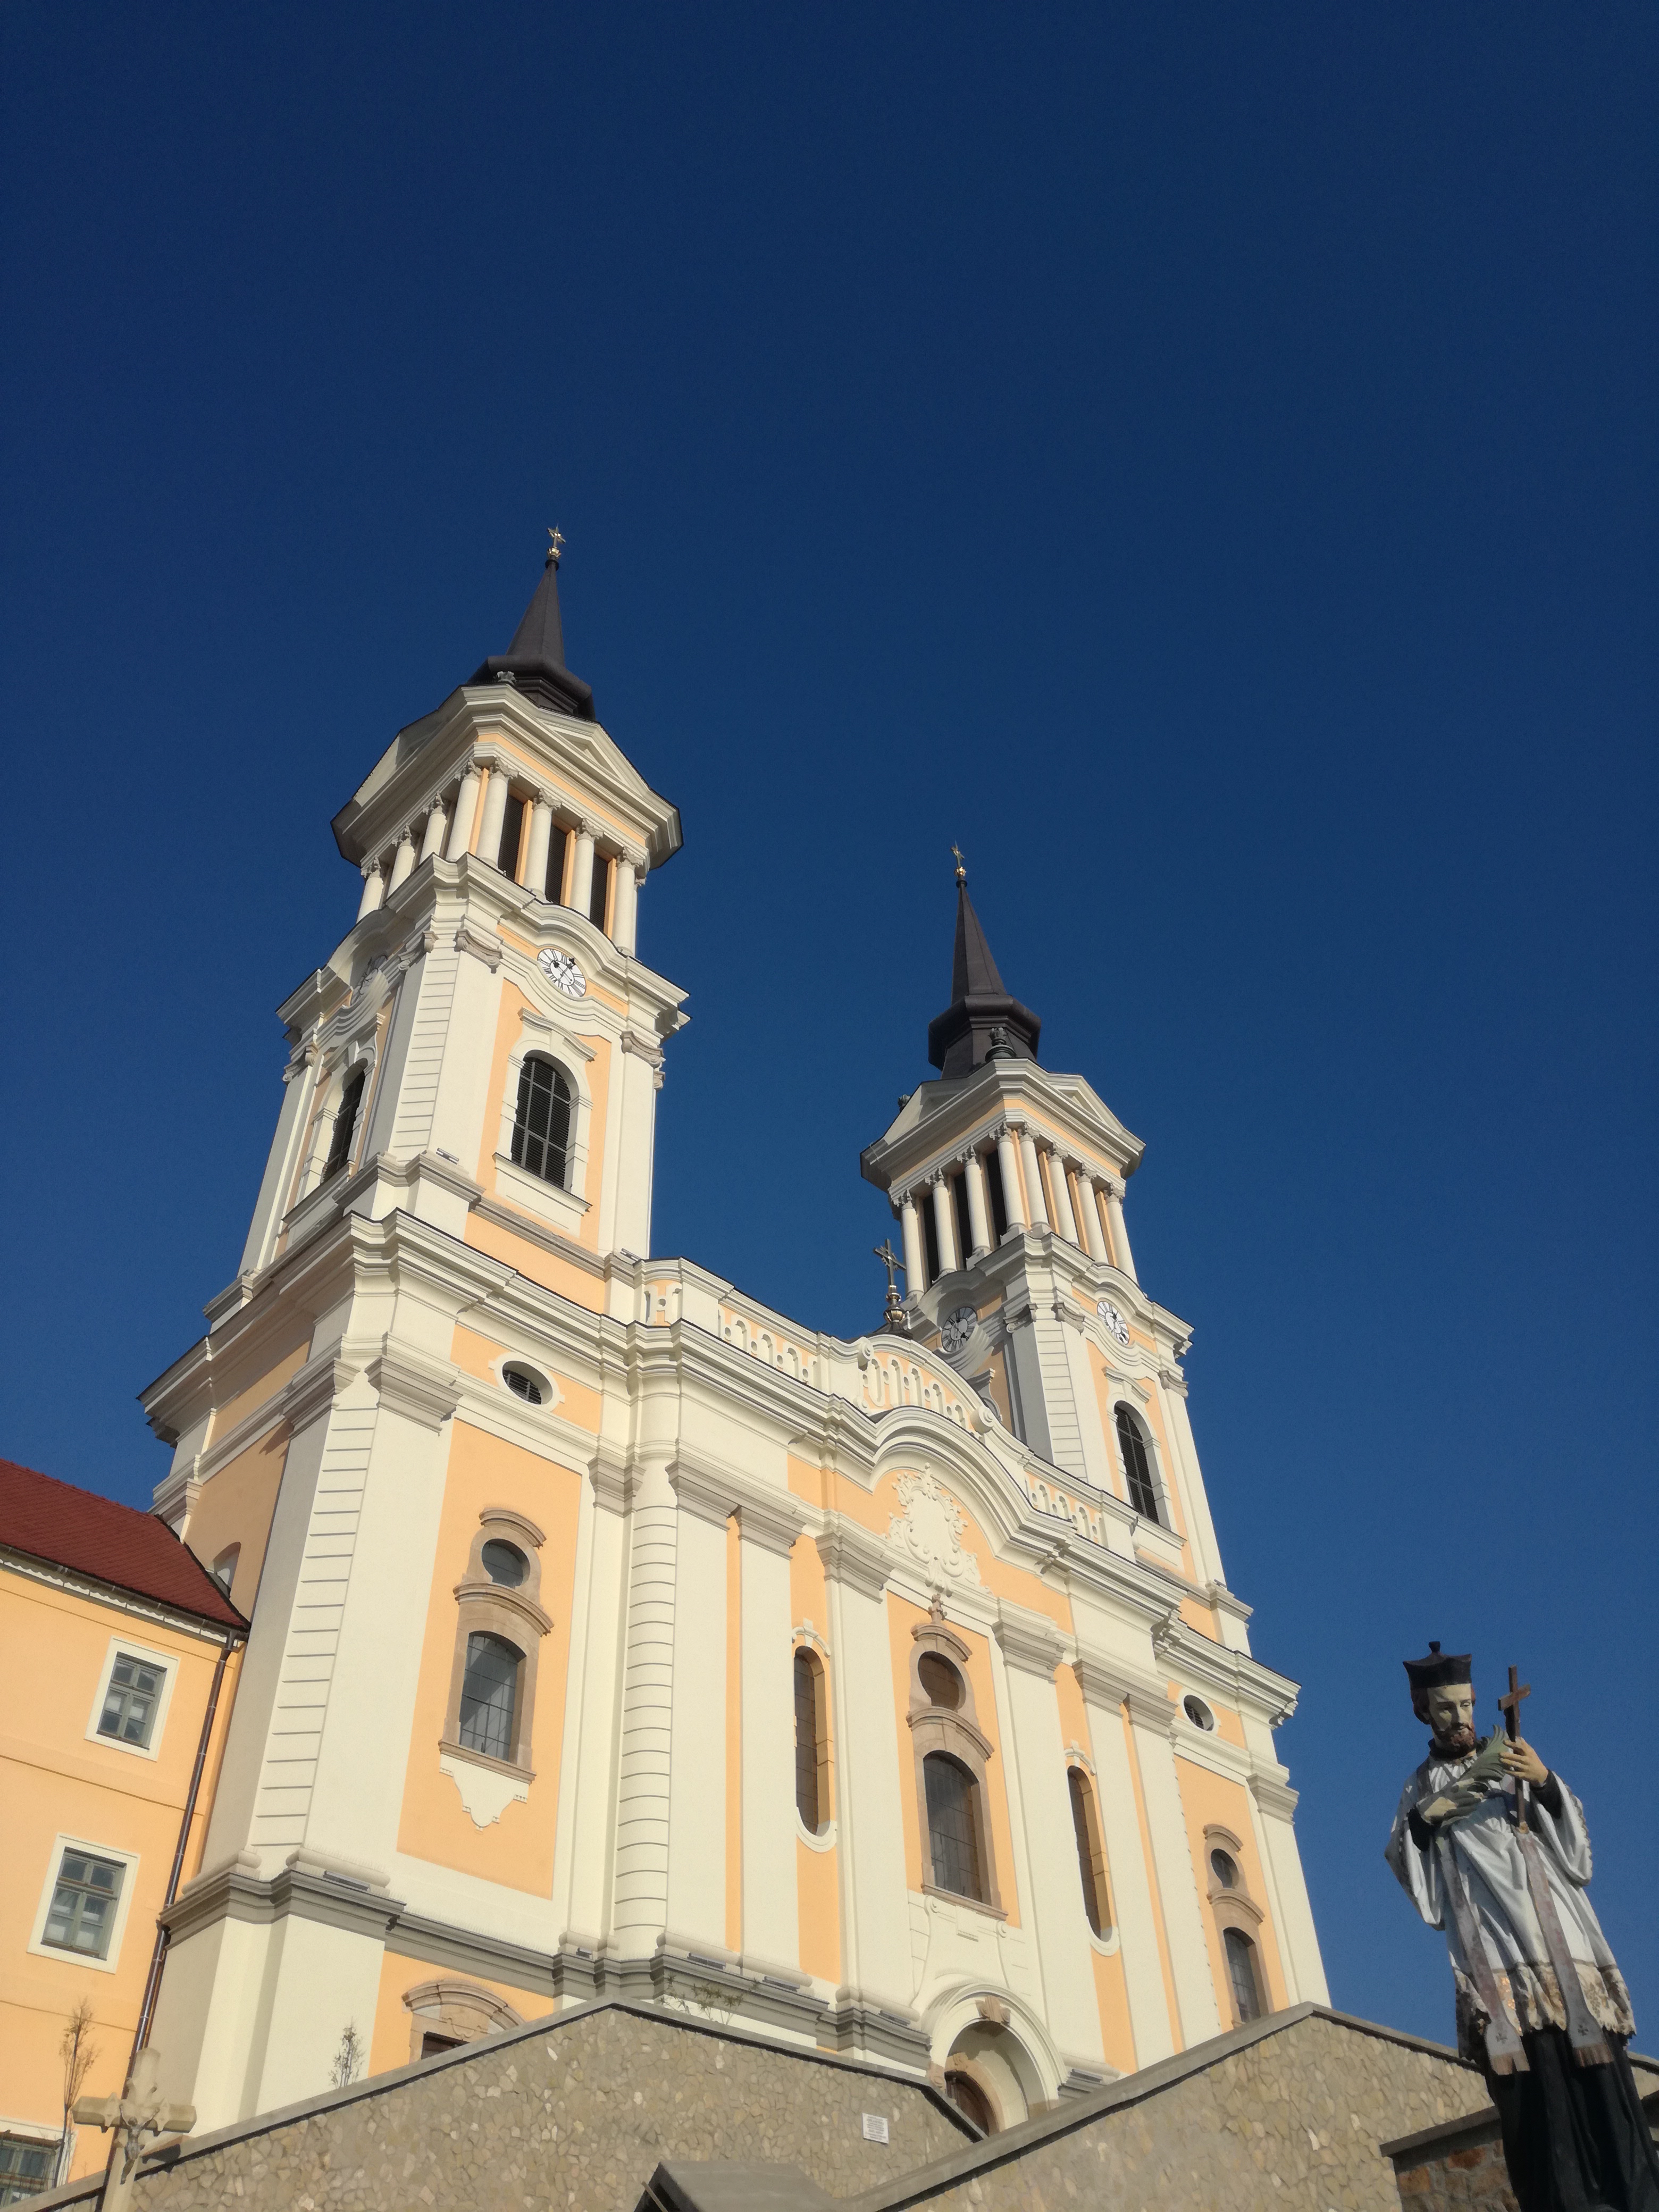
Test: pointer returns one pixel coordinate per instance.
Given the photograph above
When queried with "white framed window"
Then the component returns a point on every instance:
(130, 1712)
(29, 2160)
(84, 1903)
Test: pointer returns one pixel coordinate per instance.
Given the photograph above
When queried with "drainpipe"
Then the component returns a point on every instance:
(152, 1986)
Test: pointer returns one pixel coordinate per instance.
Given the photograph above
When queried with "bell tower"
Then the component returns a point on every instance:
(1009, 1182)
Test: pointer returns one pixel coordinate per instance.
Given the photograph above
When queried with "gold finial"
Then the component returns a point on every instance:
(961, 865)
(557, 547)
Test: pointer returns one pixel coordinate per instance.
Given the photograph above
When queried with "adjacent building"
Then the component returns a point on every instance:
(613, 1633)
(123, 1650)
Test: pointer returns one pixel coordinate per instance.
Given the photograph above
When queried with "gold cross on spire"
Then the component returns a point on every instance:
(556, 546)
(961, 865)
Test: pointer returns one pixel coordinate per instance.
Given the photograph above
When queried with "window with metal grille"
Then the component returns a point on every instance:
(541, 1127)
(506, 856)
(952, 1827)
(1137, 1465)
(489, 1695)
(557, 843)
(345, 1122)
(83, 1915)
(129, 1702)
(597, 897)
(1241, 1967)
(25, 2168)
(1090, 1860)
(807, 1745)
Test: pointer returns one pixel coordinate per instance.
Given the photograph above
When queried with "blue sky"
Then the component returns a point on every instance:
(1201, 459)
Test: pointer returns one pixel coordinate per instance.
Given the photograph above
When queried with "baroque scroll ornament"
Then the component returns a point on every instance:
(929, 1531)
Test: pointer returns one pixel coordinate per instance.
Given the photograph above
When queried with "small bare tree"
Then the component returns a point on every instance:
(79, 2054)
(349, 2059)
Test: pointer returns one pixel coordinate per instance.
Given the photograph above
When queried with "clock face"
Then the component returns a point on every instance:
(563, 973)
(1114, 1320)
(956, 1329)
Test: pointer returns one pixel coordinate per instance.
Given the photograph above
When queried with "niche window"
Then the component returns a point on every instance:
(1137, 1464)
(500, 1625)
(345, 1122)
(952, 1761)
(541, 1126)
(1091, 1859)
(812, 1744)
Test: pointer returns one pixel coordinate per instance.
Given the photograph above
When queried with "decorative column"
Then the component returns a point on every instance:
(696, 1807)
(403, 862)
(945, 1226)
(1040, 1802)
(373, 888)
(979, 1214)
(1122, 1255)
(771, 1910)
(1089, 1206)
(915, 1249)
(466, 802)
(1013, 1185)
(1129, 1878)
(581, 869)
(496, 795)
(541, 830)
(875, 1904)
(1033, 1180)
(623, 903)
(437, 822)
(640, 1892)
(1065, 1225)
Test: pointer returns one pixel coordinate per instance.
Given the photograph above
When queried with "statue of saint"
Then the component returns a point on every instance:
(1492, 1846)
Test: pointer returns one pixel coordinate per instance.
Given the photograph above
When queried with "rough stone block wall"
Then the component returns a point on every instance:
(1294, 2122)
(1472, 2180)
(576, 2113)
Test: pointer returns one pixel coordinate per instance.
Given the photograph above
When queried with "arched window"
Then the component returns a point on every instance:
(541, 1127)
(812, 1796)
(345, 1122)
(953, 1826)
(1137, 1464)
(940, 1680)
(1091, 1859)
(489, 1695)
(1240, 1967)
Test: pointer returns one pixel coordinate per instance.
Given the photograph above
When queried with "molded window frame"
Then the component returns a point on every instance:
(1162, 1516)
(954, 1730)
(1099, 1877)
(1235, 1909)
(564, 1205)
(145, 1654)
(129, 1862)
(804, 1648)
(487, 1607)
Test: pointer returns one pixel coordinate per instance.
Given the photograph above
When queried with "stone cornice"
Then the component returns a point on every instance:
(420, 1390)
(1232, 1675)
(853, 1556)
(1278, 1800)
(1107, 1679)
(1030, 1640)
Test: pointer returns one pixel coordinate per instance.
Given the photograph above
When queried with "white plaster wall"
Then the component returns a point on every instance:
(771, 1912)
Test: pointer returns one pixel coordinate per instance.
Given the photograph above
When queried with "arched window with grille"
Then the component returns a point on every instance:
(811, 1745)
(953, 1826)
(1137, 1464)
(1091, 1859)
(490, 1696)
(541, 1126)
(345, 1122)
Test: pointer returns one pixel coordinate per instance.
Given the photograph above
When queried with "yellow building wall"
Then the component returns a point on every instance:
(1111, 1994)
(54, 1781)
(236, 1507)
(392, 2043)
(1208, 1797)
(517, 1849)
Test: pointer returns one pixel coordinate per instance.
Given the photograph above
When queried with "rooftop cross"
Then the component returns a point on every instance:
(961, 864)
(557, 547)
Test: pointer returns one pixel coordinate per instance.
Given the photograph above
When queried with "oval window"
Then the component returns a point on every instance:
(504, 1563)
(1199, 1714)
(940, 1679)
(523, 1385)
(1225, 1867)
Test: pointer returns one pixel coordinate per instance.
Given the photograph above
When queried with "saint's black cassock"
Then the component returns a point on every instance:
(1541, 2006)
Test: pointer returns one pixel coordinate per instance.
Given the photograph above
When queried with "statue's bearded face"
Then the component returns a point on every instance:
(1450, 1713)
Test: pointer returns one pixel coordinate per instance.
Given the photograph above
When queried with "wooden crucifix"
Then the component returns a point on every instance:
(1511, 1707)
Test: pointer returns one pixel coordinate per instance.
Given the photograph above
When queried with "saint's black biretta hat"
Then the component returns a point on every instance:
(1437, 1669)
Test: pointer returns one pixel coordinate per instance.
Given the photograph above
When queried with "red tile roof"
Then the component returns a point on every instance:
(114, 1544)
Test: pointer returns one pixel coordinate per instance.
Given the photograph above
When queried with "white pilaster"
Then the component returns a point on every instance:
(496, 795)
(432, 841)
(581, 869)
(944, 1225)
(1121, 1255)
(373, 890)
(403, 861)
(1094, 1235)
(979, 1217)
(541, 830)
(466, 804)
(1013, 1184)
(1271, 1807)
(640, 1912)
(624, 904)
(771, 1913)
(1134, 1906)
(1152, 1722)
(916, 1250)
(1065, 1224)
(587, 1781)
(696, 1797)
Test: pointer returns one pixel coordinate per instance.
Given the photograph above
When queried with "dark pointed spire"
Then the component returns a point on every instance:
(982, 1022)
(534, 662)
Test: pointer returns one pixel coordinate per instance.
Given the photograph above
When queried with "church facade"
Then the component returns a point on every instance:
(611, 1633)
